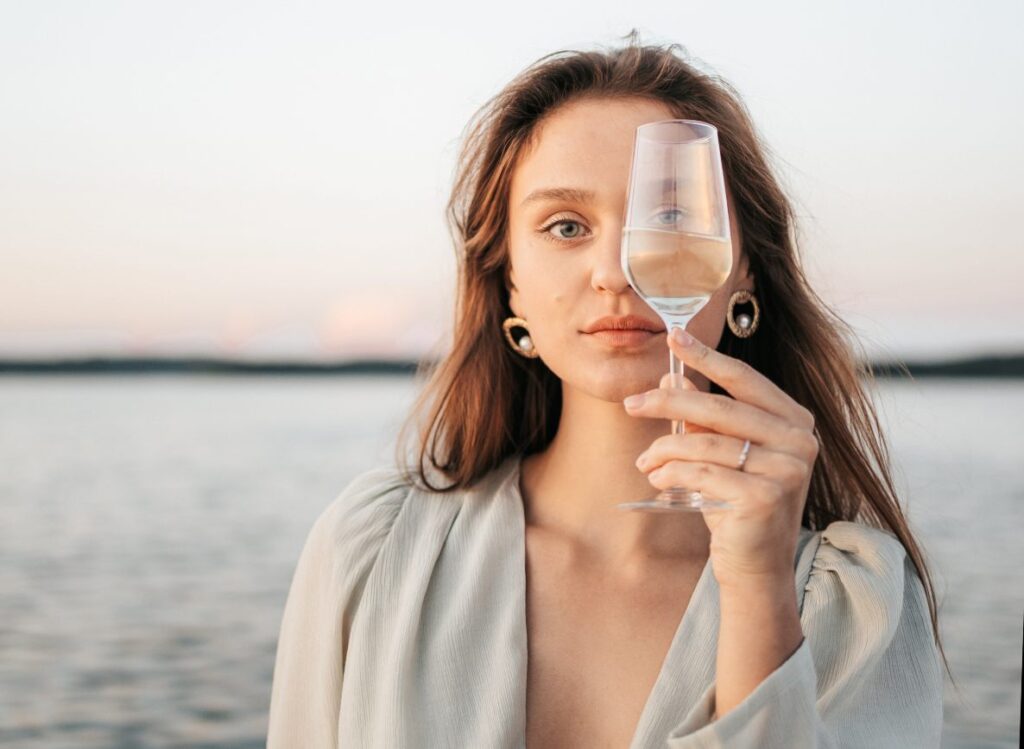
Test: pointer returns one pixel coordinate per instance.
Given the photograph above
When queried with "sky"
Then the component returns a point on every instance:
(257, 179)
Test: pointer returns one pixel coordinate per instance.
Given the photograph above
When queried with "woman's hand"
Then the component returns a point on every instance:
(755, 541)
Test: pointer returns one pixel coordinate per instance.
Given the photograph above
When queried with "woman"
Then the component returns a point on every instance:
(516, 605)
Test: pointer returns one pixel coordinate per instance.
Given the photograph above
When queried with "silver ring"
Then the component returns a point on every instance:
(743, 455)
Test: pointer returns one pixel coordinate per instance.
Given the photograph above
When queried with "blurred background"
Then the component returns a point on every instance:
(202, 205)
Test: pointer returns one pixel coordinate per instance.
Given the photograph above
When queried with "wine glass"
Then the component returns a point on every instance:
(676, 246)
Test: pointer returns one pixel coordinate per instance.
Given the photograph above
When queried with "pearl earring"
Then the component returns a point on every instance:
(742, 325)
(524, 344)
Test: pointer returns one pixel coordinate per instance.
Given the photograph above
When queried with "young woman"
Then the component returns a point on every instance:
(514, 605)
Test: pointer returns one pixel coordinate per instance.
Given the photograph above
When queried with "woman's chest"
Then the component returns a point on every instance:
(595, 653)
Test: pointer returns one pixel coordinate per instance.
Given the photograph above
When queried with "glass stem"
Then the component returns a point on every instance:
(675, 367)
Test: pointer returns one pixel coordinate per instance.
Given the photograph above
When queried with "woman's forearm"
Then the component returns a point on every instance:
(759, 630)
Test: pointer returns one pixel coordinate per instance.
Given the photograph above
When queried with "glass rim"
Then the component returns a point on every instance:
(701, 123)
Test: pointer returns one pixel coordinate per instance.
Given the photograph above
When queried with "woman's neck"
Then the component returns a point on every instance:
(571, 488)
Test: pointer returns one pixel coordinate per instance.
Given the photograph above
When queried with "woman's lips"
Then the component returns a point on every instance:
(628, 337)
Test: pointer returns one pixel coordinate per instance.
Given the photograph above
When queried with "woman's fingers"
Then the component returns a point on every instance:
(710, 447)
(772, 476)
(716, 481)
(724, 415)
(740, 380)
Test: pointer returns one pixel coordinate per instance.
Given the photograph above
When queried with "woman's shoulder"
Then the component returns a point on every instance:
(868, 629)
(862, 584)
(847, 544)
(361, 515)
(388, 505)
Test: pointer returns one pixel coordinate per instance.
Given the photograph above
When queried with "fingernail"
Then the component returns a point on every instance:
(682, 337)
(634, 401)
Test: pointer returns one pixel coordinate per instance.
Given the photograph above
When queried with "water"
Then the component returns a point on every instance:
(149, 527)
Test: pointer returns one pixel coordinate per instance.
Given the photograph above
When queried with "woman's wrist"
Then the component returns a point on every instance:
(759, 630)
(764, 585)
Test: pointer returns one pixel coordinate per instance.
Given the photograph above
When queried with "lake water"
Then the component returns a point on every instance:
(149, 527)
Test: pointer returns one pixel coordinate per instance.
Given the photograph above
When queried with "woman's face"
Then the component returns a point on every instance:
(564, 252)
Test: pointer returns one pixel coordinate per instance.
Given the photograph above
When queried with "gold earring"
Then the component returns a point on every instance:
(524, 345)
(742, 325)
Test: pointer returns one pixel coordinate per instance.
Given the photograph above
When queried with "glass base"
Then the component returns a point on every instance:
(676, 499)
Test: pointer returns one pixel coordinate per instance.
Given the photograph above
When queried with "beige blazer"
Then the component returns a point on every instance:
(405, 627)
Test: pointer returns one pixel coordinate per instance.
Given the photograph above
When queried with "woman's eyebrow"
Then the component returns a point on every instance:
(572, 194)
(667, 186)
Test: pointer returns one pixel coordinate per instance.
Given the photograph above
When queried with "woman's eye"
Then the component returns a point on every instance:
(560, 234)
(669, 217)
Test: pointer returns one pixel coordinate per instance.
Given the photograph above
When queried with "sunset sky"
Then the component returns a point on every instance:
(269, 179)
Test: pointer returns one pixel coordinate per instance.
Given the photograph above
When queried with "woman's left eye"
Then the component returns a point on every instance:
(674, 215)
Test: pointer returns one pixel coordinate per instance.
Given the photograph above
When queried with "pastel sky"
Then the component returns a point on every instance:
(269, 179)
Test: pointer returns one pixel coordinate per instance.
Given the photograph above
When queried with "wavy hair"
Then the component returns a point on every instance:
(481, 402)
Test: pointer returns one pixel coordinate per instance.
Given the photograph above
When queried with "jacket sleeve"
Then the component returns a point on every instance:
(867, 673)
(335, 561)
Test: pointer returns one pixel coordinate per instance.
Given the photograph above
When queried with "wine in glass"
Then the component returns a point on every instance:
(676, 246)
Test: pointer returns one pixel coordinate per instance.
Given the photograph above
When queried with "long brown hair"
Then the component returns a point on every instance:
(483, 402)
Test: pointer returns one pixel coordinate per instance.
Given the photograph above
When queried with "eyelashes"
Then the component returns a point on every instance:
(677, 215)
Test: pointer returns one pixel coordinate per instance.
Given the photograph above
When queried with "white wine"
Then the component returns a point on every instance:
(674, 271)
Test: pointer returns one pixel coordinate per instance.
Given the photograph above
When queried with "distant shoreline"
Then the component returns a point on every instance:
(1001, 366)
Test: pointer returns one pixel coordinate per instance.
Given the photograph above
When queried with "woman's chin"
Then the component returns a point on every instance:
(615, 376)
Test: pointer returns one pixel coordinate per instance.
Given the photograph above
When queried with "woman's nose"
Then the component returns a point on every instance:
(607, 271)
